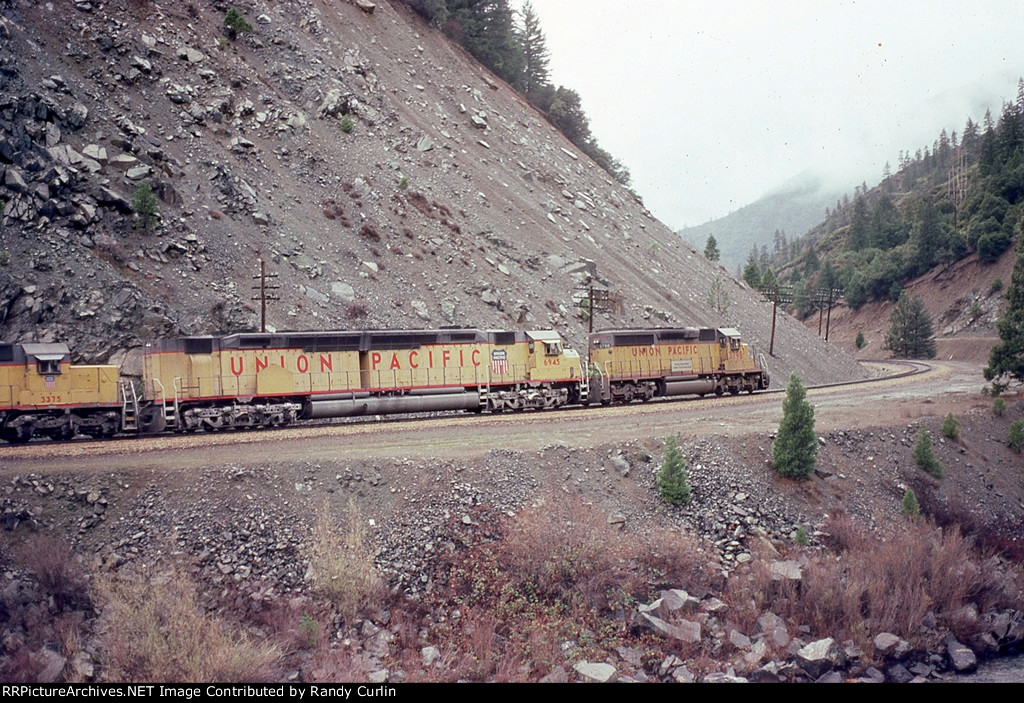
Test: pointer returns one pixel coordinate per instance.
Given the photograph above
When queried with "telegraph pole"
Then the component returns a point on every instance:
(263, 296)
(775, 295)
(826, 297)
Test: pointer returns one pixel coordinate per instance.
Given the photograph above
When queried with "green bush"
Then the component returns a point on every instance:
(346, 124)
(1016, 439)
(795, 449)
(997, 285)
(673, 481)
(235, 23)
(923, 454)
(911, 508)
(998, 407)
(950, 427)
(860, 340)
(145, 205)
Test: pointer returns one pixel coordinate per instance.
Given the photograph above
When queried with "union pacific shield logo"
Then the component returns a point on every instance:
(499, 361)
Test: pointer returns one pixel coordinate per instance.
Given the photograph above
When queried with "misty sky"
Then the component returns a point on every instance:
(712, 104)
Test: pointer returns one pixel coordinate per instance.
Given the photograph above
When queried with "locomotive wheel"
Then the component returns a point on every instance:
(19, 435)
(734, 391)
(718, 390)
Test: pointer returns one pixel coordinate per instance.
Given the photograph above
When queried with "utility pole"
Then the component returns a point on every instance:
(263, 296)
(826, 297)
(775, 295)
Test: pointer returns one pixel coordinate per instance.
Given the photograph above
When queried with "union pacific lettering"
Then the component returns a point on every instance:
(436, 358)
(666, 350)
(379, 360)
(301, 363)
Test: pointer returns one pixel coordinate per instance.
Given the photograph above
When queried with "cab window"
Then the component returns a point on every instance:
(47, 367)
(552, 348)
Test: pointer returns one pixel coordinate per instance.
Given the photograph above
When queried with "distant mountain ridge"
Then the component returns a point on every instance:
(793, 208)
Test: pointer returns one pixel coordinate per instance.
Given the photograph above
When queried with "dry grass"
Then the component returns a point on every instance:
(874, 586)
(556, 572)
(56, 571)
(342, 567)
(154, 629)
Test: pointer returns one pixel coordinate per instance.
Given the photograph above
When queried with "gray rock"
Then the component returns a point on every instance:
(598, 672)
(683, 675)
(886, 643)
(685, 631)
(191, 55)
(739, 640)
(430, 655)
(724, 678)
(786, 571)
(557, 675)
(897, 673)
(820, 656)
(52, 665)
(769, 673)
(343, 291)
(831, 677)
(961, 657)
(420, 308)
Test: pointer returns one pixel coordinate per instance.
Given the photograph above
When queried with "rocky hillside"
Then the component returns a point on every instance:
(388, 179)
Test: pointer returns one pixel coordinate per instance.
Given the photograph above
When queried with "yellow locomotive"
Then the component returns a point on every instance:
(261, 380)
(42, 393)
(249, 380)
(641, 364)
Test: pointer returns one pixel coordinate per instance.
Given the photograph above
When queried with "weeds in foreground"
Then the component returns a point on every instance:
(155, 629)
(879, 586)
(342, 567)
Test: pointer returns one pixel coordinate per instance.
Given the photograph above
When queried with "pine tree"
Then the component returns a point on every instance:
(536, 78)
(795, 450)
(145, 205)
(752, 271)
(910, 330)
(711, 252)
(911, 508)
(923, 454)
(673, 481)
(1007, 356)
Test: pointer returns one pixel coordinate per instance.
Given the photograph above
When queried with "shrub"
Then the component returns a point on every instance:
(404, 183)
(346, 124)
(923, 454)
(998, 407)
(860, 340)
(910, 330)
(911, 509)
(997, 285)
(1016, 438)
(673, 482)
(5, 257)
(356, 310)
(342, 567)
(975, 310)
(235, 23)
(145, 204)
(55, 568)
(801, 537)
(795, 450)
(950, 427)
(157, 630)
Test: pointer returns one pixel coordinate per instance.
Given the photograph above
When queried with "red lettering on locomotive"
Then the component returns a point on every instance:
(302, 363)
(413, 364)
(326, 363)
(394, 362)
(262, 363)
(241, 365)
(374, 360)
(475, 357)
